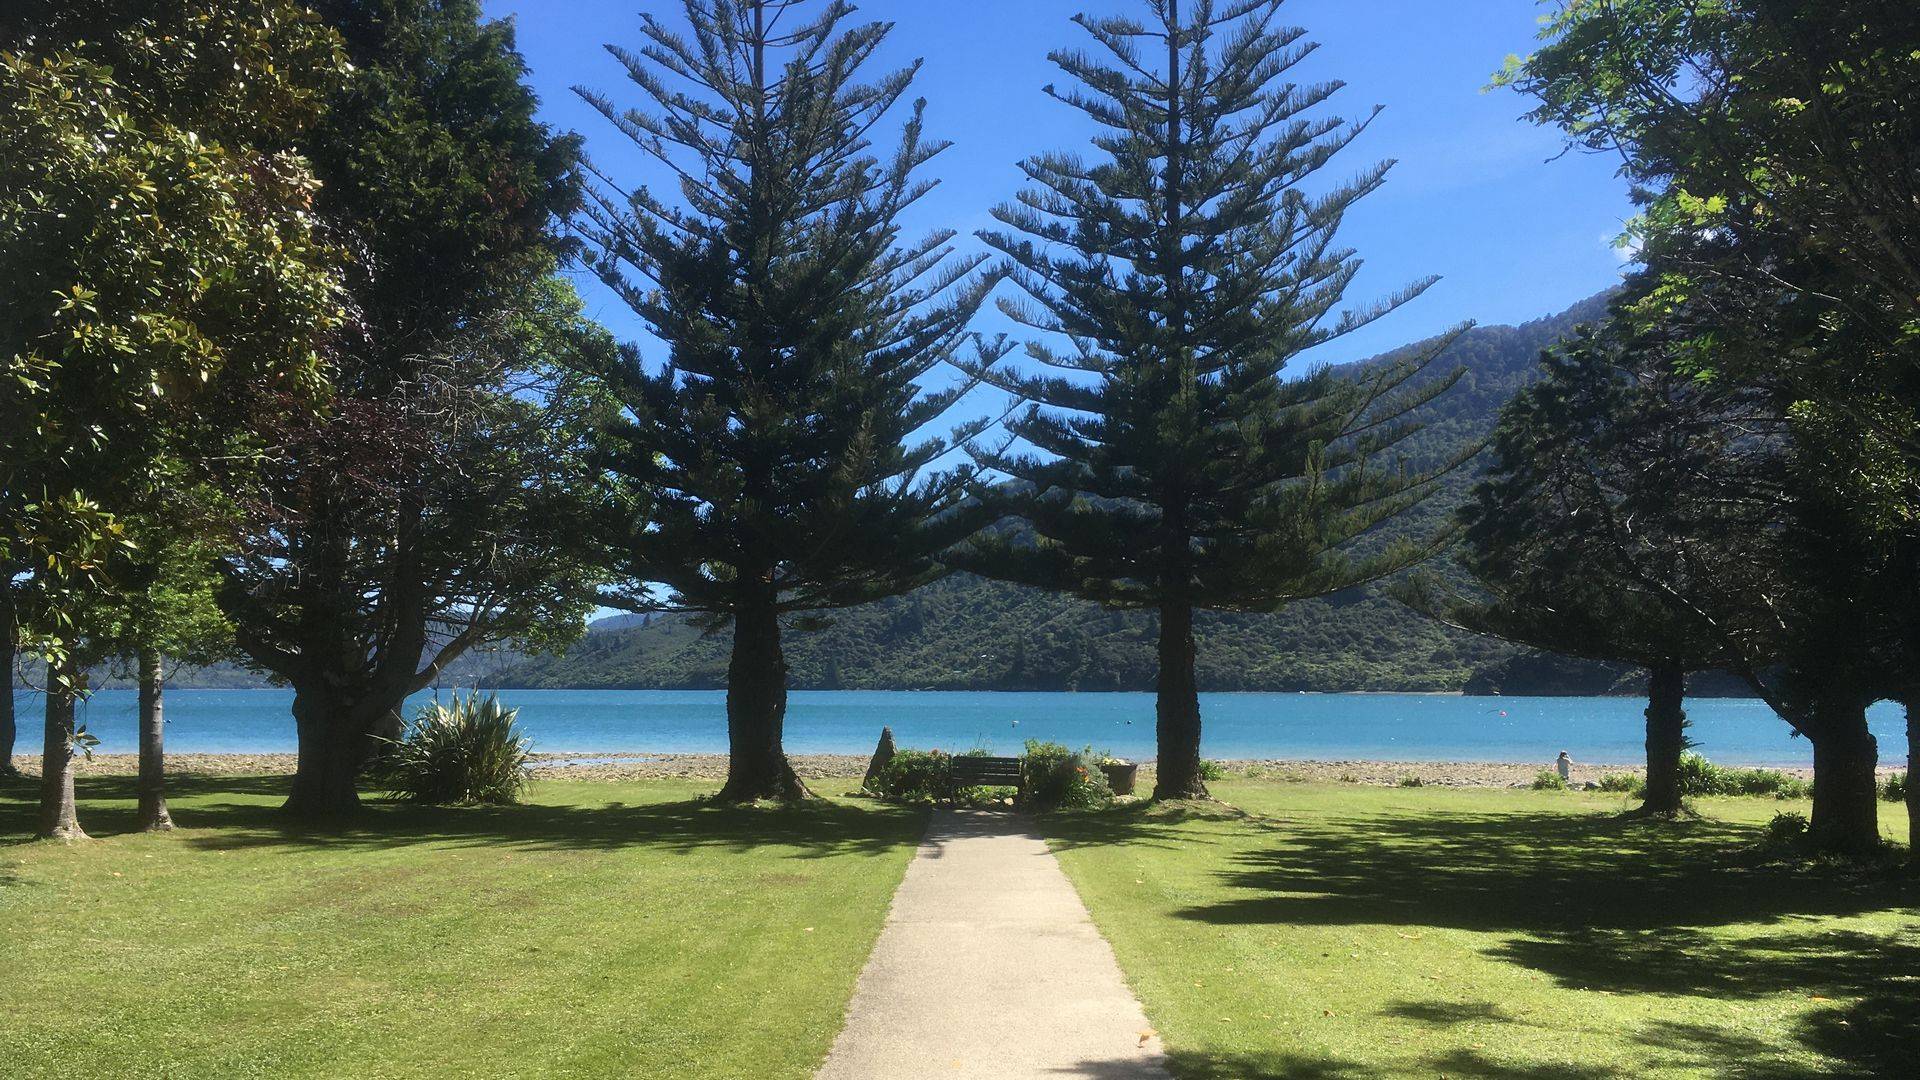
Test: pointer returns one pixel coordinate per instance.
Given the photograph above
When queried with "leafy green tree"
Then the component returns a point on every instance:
(1173, 281)
(1771, 144)
(437, 504)
(1616, 484)
(161, 274)
(780, 433)
(1910, 701)
(1825, 617)
(9, 646)
(163, 610)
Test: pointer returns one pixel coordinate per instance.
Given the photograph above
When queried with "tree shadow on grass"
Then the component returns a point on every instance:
(1540, 873)
(1192, 1066)
(1874, 1038)
(1595, 902)
(1465, 1064)
(1449, 1013)
(1679, 960)
(1161, 825)
(227, 813)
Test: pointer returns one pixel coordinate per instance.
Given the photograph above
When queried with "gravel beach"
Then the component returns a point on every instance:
(637, 766)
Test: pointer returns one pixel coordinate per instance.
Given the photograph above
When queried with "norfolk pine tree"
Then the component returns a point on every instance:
(783, 436)
(1173, 281)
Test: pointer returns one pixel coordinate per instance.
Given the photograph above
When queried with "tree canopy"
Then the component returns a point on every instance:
(437, 501)
(783, 438)
(163, 276)
(1772, 146)
(1617, 489)
(1167, 464)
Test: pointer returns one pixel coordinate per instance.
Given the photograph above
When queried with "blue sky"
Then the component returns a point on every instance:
(1474, 197)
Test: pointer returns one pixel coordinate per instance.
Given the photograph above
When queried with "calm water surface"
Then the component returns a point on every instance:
(1389, 727)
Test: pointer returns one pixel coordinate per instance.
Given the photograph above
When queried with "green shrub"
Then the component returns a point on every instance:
(1894, 788)
(1212, 770)
(1768, 782)
(1548, 780)
(1785, 831)
(988, 796)
(1412, 781)
(926, 776)
(1698, 776)
(1060, 779)
(1285, 776)
(1624, 783)
(465, 752)
(914, 776)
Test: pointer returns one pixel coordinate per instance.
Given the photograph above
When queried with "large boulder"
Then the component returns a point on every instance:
(882, 754)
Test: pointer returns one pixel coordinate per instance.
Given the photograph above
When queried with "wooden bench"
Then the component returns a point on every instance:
(974, 771)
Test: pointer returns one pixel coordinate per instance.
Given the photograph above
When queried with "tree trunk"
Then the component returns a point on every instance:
(1913, 777)
(1666, 737)
(1177, 709)
(330, 757)
(1846, 799)
(9, 726)
(153, 759)
(757, 766)
(59, 820)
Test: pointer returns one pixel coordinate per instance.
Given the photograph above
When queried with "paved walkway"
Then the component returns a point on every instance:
(989, 967)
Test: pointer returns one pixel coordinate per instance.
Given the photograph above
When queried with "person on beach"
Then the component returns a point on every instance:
(1564, 766)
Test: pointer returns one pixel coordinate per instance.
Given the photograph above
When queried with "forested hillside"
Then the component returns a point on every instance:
(968, 633)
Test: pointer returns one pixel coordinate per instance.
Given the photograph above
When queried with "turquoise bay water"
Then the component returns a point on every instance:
(1388, 727)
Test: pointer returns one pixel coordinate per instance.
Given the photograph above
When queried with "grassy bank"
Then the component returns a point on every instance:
(1345, 931)
(603, 930)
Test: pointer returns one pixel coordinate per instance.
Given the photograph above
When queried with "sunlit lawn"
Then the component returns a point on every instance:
(1371, 932)
(604, 930)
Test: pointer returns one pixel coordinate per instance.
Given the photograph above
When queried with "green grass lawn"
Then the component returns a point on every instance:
(1339, 931)
(602, 930)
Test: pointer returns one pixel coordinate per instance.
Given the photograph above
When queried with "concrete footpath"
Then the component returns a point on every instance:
(989, 967)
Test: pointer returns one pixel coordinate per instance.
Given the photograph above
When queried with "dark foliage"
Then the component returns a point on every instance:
(1772, 145)
(1617, 487)
(968, 633)
(1168, 465)
(162, 290)
(781, 436)
(436, 502)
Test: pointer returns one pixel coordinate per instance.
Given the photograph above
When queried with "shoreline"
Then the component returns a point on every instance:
(635, 765)
(121, 687)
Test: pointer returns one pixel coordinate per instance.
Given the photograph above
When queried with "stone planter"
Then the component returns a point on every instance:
(1120, 777)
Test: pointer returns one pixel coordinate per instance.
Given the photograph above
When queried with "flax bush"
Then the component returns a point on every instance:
(467, 752)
